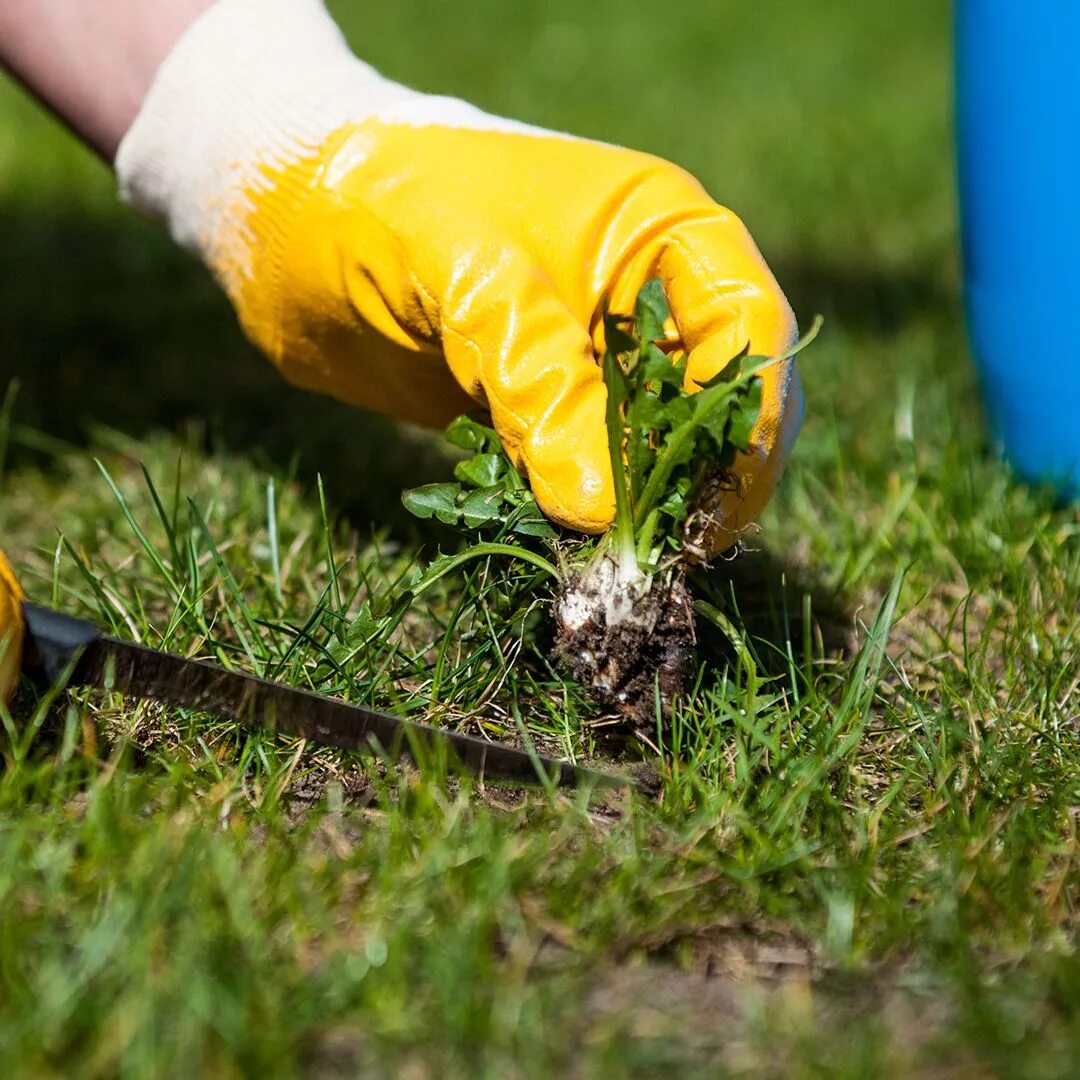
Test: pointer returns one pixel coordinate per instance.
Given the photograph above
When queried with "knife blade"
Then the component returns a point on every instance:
(60, 645)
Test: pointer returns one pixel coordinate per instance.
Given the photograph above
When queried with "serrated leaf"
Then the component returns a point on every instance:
(744, 415)
(657, 367)
(713, 420)
(482, 470)
(647, 413)
(731, 371)
(679, 451)
(680, 411)
(362, 627)
(434, 500)
(651, 311)
(674, 504)
(617, 337)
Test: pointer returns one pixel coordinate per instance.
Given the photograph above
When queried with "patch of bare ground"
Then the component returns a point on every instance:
(761, 1020)
(749, 996)
(747, 1003)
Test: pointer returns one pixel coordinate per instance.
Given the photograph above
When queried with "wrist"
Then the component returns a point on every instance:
(250, 90)
(92, 62)
(251, 85)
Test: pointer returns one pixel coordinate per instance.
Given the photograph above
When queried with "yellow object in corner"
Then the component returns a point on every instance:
(422, 270)
(11, 629)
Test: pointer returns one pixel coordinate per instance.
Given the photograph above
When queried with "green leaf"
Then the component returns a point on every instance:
(731, 371)
(618, 340)
(363, 628)
(674, 504)
(521, 496)
(657, 367)
(651, 311)
(482, 470)
(534, 527)
(680, 411)
(434, 500)
(471, 435)
(713, 414)
(647, 412)
(618, 389)
(480, 507)
(744, 415)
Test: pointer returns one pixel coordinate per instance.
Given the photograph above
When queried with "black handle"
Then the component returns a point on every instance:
(53, 640)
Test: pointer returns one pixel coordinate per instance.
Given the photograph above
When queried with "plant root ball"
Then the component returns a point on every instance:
(623, 639)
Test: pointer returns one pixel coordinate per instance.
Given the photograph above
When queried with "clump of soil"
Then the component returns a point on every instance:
(624, 639)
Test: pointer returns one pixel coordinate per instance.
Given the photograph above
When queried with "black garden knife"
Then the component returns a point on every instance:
(60, 647)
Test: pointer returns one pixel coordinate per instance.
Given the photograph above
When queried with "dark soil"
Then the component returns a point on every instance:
(624, 653)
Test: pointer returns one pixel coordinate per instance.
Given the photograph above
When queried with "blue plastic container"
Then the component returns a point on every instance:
(1018, 127)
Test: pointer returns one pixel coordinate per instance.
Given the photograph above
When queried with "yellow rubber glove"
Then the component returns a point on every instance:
(12, 629)
(413, 255)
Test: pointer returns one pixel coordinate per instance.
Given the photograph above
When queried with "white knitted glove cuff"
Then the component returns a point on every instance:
(251, 86)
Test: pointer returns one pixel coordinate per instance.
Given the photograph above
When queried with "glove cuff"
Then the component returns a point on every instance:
(251, 86)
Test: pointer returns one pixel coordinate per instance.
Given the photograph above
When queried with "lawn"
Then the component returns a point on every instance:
(863, 857)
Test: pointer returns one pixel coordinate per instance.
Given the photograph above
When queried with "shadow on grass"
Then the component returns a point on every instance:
(789, 617)
(106, 323)
(878, 301)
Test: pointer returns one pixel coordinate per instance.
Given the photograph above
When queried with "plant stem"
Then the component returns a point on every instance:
(645, 535)
(623, 530)
(482, 551)
(669, 456)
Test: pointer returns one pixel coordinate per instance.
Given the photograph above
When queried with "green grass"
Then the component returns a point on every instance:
(865, 860)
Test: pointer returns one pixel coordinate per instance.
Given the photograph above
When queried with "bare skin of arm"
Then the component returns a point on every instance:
(92, 61)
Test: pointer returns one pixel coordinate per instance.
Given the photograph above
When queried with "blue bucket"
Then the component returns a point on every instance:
(1018, 129)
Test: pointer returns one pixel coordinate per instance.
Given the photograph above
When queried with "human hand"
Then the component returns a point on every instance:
(411, 254)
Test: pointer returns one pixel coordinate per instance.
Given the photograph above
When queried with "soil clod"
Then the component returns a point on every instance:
(627, 642)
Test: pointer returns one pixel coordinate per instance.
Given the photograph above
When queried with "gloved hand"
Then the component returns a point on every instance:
(413, 255)
(11, 629)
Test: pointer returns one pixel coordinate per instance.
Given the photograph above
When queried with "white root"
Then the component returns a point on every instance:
(610, 591)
